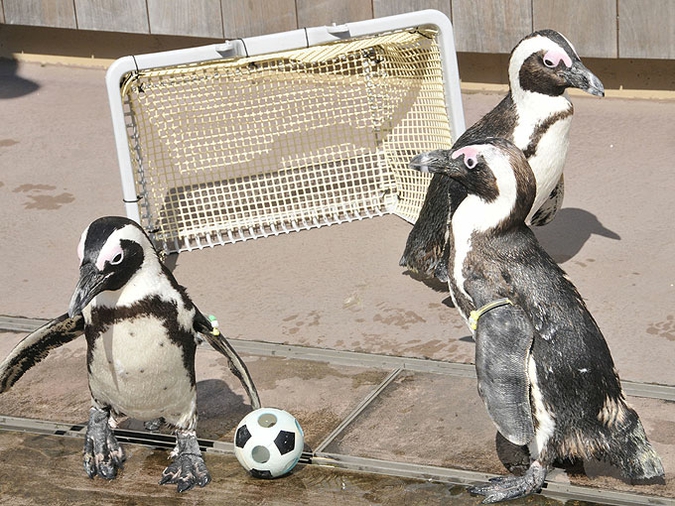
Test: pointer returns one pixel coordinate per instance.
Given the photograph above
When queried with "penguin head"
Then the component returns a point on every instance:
(545, 62)
(112, 250)
(494, 171)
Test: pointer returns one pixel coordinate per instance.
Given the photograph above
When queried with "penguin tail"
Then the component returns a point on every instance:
(650, 466)
(641, 462)
(630, 450)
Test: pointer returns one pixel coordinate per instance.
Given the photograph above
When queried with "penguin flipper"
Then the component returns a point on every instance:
(427, 239)
(237, 366)
(36, 346)
(551, 206)
(425, 250)
(504, 337)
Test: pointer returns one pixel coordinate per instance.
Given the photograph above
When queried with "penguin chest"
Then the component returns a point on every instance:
(542, 133)
(548, 159)
(137, 370)
(461, 248)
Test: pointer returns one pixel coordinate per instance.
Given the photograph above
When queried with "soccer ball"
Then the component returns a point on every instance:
(268, 442)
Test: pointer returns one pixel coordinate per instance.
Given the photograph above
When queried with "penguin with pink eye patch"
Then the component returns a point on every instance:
(142, 332)
(536, 116)
(544, 370)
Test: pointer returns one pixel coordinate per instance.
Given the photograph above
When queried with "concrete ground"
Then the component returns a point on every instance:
(338, 289)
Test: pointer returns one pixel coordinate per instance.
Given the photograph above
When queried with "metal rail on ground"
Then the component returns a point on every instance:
(560, 491)
(358, 359)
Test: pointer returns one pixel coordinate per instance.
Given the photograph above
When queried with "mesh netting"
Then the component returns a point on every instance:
(229, 150)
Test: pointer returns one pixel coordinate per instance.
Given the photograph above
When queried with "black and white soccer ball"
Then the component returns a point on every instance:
(268, 442)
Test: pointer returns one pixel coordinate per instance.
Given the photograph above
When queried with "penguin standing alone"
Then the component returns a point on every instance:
(545, 373)
(142, 332)
(536, 116)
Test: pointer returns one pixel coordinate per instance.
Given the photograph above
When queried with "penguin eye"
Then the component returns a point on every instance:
(550, 63)
(117, 259)
(470, 162)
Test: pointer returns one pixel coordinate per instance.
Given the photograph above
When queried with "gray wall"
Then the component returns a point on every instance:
(599, 28)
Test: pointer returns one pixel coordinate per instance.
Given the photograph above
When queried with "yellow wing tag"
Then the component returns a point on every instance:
(477, 313)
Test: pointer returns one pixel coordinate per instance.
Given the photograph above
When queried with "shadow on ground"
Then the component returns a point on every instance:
(564, 237)
(11, 84)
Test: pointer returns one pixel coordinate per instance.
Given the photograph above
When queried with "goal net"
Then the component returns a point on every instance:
(226, 149)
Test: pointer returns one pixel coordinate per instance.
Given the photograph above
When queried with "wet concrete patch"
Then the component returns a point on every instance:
(60, 479)
(664, 328)
(34, 187)
(418, 418)
(40, 199)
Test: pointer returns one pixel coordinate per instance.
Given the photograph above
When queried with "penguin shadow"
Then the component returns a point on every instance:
(564, 237)
(12, 85)
(441, 287)
(433, 283)
(467, 339)
(516, 460)
(220, 409)
(219, 412)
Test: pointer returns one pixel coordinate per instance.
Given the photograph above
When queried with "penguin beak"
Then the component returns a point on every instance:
(578, 76)
(90, 284)
(435, 162)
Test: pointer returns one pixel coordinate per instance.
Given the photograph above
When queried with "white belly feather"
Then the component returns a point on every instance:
(548, 162)
(139, 372)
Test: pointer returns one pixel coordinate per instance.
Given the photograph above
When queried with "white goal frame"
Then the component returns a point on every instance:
(210, 192)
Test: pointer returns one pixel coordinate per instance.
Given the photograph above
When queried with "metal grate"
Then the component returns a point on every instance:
(237, 148)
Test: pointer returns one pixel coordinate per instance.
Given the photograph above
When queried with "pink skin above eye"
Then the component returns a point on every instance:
(555, 56)
(470, 155)
(107, 254)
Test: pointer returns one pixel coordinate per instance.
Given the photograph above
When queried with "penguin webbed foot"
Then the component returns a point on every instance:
(103, 455)
(504, 488)
(186, 471)
(188, 467)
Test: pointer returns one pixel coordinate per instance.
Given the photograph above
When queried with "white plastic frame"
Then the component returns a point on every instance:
(264, 44)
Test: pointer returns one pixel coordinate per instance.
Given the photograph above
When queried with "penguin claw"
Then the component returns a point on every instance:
(504, 488)
(188, 468)
(186, 471)
(103, 456)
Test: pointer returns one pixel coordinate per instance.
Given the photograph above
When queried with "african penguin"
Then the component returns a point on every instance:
(545, 373)
(142, 332)
(536, 116)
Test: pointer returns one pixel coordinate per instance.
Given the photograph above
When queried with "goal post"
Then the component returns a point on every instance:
(266, 135)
